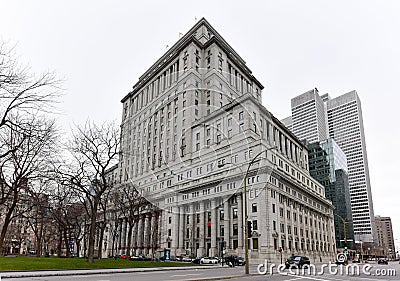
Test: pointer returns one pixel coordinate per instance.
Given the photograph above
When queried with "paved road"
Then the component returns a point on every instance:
(371, 272)
(368, 272)
(148, 275)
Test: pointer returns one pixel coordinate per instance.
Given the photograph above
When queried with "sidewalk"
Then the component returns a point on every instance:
(95, 271)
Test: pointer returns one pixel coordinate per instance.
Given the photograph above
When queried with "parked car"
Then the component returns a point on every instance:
(297, 262)
(209, 260)
(196, 260)
(140, 258)
(239, 260)
(383, 261)
(186, 259)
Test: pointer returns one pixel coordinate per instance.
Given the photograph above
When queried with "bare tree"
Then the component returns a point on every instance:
(38, 216)
(29, 152)
(94, 150)
(77, 219)
(26, 137)
(22, 91)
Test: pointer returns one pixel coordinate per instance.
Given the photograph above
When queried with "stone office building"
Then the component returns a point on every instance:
(190, 127)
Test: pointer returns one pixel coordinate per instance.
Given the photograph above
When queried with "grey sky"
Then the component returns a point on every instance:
(102, 47)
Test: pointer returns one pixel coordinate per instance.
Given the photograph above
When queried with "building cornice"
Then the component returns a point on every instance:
(186, 39)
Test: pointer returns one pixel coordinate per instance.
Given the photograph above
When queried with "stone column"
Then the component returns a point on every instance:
(119, 238)
(161, 230)
(192, 231)
(240, 224)
(201, 251)
(151, 233)
(140, 235)
(214, 227)
(227, 224)
(174, 230)
(123, 238)
(182, 232)
(146, 233)
(134, 237)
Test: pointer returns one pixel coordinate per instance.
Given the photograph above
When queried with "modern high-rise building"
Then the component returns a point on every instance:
(328, 165)
(191, 127)
(346, 127)
(343, 116)
(384, 233)
(309, 117)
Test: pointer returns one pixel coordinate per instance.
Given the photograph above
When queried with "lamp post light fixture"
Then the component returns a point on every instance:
(344, 220)
(246, 230)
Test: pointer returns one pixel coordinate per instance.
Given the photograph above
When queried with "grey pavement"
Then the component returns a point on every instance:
(213, 272)
(42, 273)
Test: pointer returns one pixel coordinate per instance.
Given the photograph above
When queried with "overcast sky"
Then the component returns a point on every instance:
(101, 48)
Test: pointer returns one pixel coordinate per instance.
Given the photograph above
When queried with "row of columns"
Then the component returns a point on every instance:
(145, 234)
(182, 225)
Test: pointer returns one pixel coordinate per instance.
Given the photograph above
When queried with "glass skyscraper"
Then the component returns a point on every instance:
(328, 165)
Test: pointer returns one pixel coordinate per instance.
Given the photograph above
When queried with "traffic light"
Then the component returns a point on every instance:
(249, 228)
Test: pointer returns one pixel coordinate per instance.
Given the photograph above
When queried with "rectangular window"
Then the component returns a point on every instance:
(221, 215)
(235, 229)
(255, 225)
(255, 243)
(235, 213)
(241, 115)
(254, 207)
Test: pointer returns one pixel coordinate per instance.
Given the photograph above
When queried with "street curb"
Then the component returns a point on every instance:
(222, 277)
(96, 271)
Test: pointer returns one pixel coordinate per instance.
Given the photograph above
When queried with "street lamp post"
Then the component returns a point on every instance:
(344, 220)
(246, 230)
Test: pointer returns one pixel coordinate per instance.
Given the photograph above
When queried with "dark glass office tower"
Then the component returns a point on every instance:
(328, 165)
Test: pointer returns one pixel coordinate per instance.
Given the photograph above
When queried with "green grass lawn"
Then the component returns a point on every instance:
(42, 263)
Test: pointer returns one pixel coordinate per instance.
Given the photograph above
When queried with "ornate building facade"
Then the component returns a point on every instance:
(190, 128)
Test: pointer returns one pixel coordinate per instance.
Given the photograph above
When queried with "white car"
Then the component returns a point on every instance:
(209, 260)
(186, 259)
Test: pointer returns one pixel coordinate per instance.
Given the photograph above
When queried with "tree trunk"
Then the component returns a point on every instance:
(78, 246)
(66, 242)
(59, 244)
(92, 231)
(7, 220)
(101, 237)
(39, 241)
(128, 246)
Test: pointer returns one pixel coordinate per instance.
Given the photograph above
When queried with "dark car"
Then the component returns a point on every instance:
(297, 262)
(383, 261)
(239, 260)
(196, 260)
